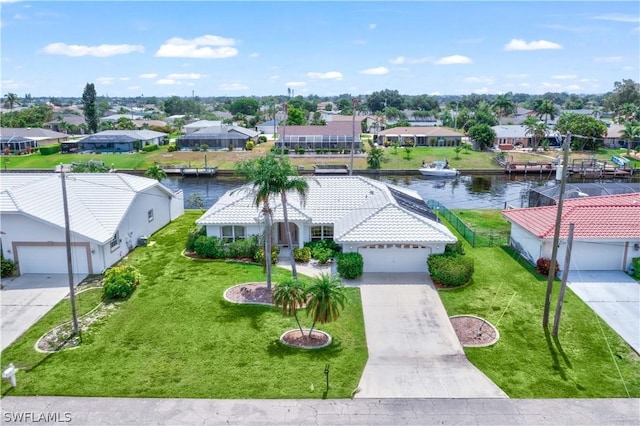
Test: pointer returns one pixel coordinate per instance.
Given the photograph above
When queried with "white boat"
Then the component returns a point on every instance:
(438, 169)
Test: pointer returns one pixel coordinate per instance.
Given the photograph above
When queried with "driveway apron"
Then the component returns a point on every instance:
(25, 299)
(615, 297)
(413, 349)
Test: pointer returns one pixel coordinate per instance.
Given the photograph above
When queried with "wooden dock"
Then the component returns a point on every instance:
(190, 171)
(328, 170)
(589, 168)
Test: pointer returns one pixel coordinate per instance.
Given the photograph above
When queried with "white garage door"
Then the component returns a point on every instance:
(51, 260)
(395, 257)
(596, 256)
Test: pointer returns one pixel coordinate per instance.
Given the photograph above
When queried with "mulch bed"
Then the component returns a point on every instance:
(474, 331)
(316, 340)
(250, 293)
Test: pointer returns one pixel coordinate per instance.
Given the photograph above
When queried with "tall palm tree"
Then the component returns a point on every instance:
(548, 110)
(156, 172)
(536, 130)
(630, 132)
(503, 106)
(289, 295)
(326, 299)
(11, 99)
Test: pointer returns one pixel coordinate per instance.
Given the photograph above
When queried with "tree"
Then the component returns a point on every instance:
(289, 295)
(536, 130)
(317, 119)
(424, 103)
(296, 117)
(11, 100)
(548, 110)
(156, 172)
(125, 123)
(89, 106)
(624, 92)
(503, 106)
(195, 201)
(326, 299)
(246, 106)
(630, 133)
(393, 113)
(627, 112)
(379, 101)
(374, 158)
(482, 134)
(587, 132)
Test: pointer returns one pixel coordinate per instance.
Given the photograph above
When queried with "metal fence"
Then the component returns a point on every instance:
(475, 238)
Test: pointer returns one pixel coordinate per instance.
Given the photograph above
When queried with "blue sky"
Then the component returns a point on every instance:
(242, 48)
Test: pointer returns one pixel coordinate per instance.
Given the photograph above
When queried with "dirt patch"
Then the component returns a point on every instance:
(256, 293)
(318, 339)
(474, 331)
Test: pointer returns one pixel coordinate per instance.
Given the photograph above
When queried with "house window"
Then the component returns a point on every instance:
(232, 233)
(115, 242)
(150, 215)
(324, 232)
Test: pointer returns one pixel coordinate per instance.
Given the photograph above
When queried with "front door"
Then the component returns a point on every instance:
(282, 234)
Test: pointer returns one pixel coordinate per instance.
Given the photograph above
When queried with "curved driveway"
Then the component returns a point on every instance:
(413, 349)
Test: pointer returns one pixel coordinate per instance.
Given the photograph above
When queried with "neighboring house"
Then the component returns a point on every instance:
(120, 140)
(613, 138)
(517, 117)
(335, 135)
(370, 123)
(606, 235)
(42, 137)
(421, 136)
(201, 124)
(146, 123)
(129, 116)
(390, 226)
(67, 123)
(108, 214)
(515, 135)
(268, 127)
(218, 137)
(15, 144)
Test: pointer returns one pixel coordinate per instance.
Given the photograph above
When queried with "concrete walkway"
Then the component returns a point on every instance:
(25, 299)
(159, 411)
(413, 349)
(615, 297)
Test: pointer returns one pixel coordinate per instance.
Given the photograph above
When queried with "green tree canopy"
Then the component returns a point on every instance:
(89, 107)
(625, 92)
(587, 132)
(482, 134)
(246, 106)
(378, 101)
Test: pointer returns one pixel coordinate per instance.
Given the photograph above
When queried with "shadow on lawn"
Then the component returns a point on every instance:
(524, 263)
(555, 348)
(278, 349)
(230, 312)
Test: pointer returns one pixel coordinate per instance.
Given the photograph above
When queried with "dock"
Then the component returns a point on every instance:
(588, 168)
(190, 171)
(330, 170)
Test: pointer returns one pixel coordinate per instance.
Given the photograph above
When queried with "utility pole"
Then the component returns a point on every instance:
(355, 106)
(556, 234)
(67, 234)
(284, 126)
(563, 285)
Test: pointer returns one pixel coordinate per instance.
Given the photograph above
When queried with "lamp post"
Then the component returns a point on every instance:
(353, 140)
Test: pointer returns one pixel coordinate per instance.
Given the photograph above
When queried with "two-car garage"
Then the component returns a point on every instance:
(395, 257)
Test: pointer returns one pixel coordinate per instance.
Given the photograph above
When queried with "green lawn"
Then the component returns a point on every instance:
(583, 362)
(177, 337)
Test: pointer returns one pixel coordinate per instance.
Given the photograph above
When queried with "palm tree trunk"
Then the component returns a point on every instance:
(311, 329)
(287, 229)
(267, 242)
(295, 314)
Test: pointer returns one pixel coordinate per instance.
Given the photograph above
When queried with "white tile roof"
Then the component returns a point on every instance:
(97, 201)
(361, 209)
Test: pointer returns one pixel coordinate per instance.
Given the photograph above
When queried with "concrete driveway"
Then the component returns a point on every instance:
(615, 297)
(25, 299)
(413, 349)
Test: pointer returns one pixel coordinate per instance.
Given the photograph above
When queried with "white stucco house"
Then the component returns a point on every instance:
(606, 231)
(390, 226)
(108, 213)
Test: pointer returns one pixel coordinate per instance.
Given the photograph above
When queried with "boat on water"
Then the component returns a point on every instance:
(438, 169)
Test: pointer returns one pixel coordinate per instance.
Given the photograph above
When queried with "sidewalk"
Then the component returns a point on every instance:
(150, 411)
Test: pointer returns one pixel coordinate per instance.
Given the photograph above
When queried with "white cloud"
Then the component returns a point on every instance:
(233, 86)
(274, 77)
(403, 60)
(149, 75)
(124, 79)
(481, 80)
(331, 75)
(618, 17)
(133, 88)
(295, 84)
(588, 80)
(199, 47)
(481, 91)
(454, 59)
(564, 77)
(372, 26)
(518, 44)
(167, 82)
(254, 55)
(608, 59)
(187, 76)
(100, 51)
(105, 80)
(375, 71)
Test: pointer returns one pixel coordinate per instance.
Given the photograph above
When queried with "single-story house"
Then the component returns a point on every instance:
(515, 135)
(606, 233)
(108, 213)
(68, 123)
(16, 144)
(614, 139)
(335, 135)
(42, 137)
(421, 136)
(390, 226)
(371, 124)
(268, 127)
(218, 137)
(120, 140)
(199, 125)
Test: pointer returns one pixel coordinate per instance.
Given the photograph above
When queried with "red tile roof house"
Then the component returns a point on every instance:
(606, 234)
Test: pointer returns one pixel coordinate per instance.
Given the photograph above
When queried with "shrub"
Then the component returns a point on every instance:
(323, 255)
(194, 233)
(249, 145)
(8, 268)
(636, 267)
(209, 247)
(350, 265)
(544, 264)
(230, 147)
(259, 256)
(454, 249)
(330, 244)
(204, 147)
(120, 282)
(246, 248)
(172, 147)
(50, 149)
(262, 139)
(300, 151)
(451, 271)
(149, 148)
(302, 254)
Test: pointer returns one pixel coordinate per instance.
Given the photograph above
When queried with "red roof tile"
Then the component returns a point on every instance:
(605, 217)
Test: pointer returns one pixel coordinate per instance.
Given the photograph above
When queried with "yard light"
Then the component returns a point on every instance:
(326, 373)
(10, 374)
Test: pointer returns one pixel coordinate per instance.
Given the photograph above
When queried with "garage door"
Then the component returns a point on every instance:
(51, 259)
(596, 256)
(395, 257)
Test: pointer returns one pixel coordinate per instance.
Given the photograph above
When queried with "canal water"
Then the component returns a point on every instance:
(463, 192)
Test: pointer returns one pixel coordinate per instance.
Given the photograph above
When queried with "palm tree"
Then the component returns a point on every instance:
(156, 172)
(326, 299)
(547, 110)
(630, 132)
(11, 99)
(289, 295)
(503, 106)
(536, 130)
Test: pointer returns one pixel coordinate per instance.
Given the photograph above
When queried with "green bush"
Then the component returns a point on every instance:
(323, 255)
(150, 148)
(209, 247)
(636, 267)
(120, 282)
(262, 139)
(249, 145)
(172, 147)
(302, 254)
(323, 250)
(451, 271)
(259, 256)
(8, 268)
(50, 149)
(543, 265)
(350, 265)
(454, 249)
(246, 248)
(194, 233)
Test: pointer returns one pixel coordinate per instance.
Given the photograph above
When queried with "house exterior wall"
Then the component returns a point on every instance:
(594, 255)
(527, 244)
(214, 230)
